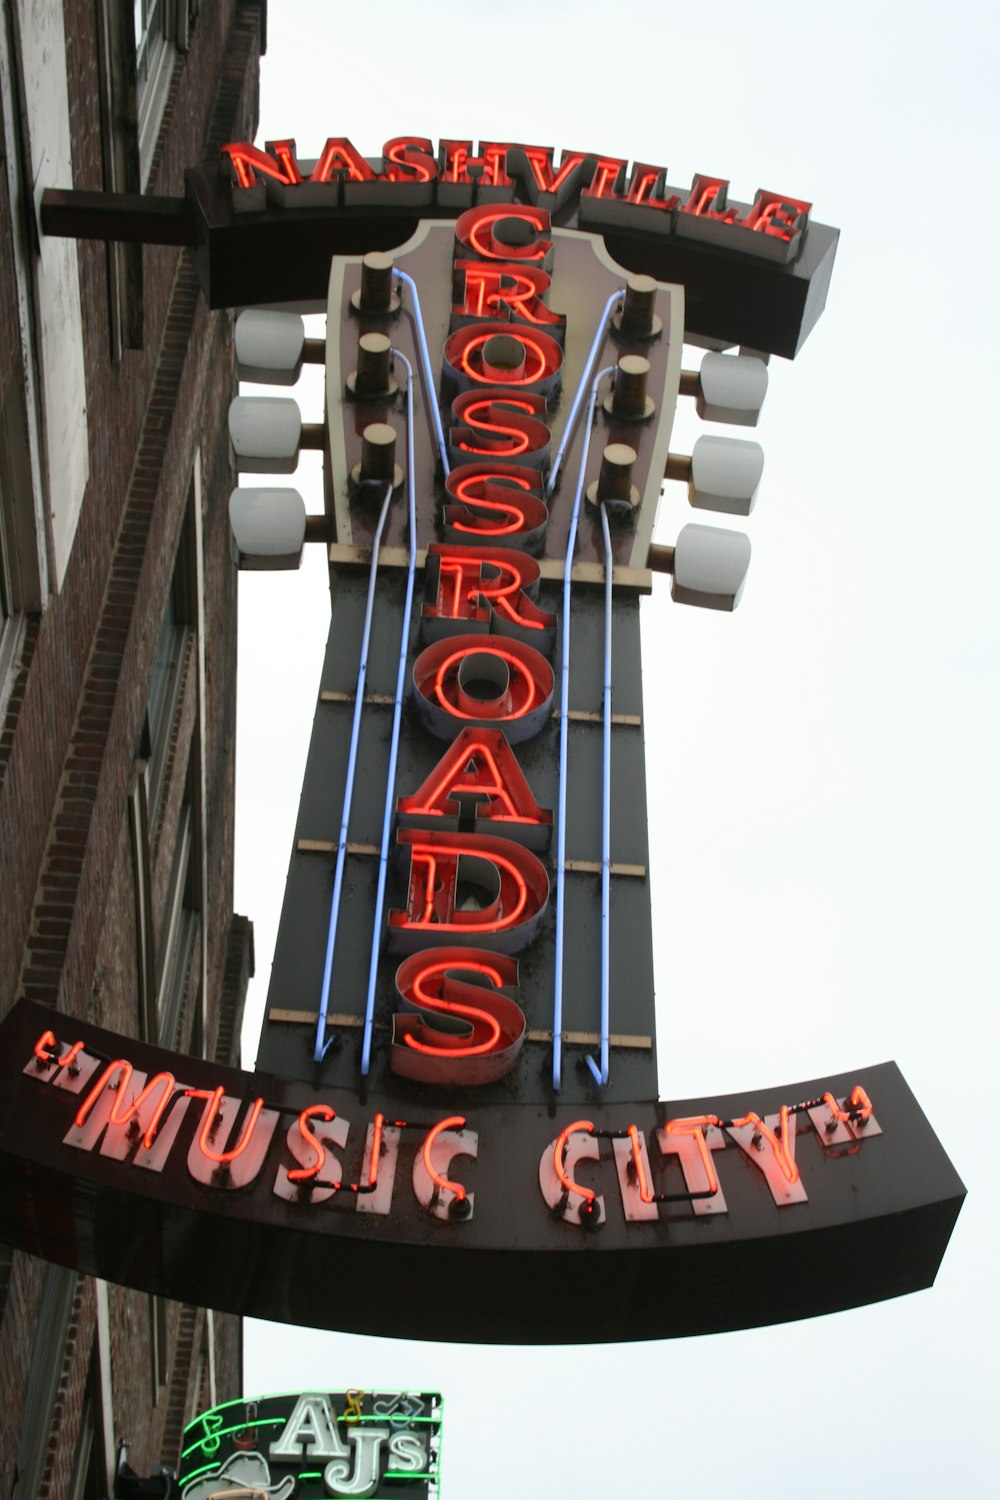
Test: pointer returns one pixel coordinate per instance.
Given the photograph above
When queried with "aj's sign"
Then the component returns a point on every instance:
(456, 1083)
(314, 1446)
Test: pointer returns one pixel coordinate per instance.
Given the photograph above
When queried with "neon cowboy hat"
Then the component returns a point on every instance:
(244, 1476)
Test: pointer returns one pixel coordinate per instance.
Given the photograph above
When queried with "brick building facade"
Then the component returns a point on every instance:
(117, 665)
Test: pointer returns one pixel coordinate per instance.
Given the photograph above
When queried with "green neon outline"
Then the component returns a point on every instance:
(196, 1473)
(221, 1432)
(246, 1401)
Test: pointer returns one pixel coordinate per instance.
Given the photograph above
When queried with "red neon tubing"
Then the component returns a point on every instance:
(427, 856)
(557, 1160)
(441, 1183)
(780, 1147)
(325, 1112)
(214, 1096)
(694, 1127)
(117, 1117)
(511, 660)
(640, 1170)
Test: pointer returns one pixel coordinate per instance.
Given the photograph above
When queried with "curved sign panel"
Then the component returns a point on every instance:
(309, 1205)
(263, 224)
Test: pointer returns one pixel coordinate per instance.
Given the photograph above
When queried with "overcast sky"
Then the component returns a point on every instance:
(822, 763)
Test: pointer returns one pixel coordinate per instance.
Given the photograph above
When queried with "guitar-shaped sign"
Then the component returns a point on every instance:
(454, 1131)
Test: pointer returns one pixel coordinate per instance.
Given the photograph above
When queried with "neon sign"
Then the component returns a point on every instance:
(164, 1171)
(771, 226)
(263, 224)
(457, 1070)
(125, 1124)
(315, 1446)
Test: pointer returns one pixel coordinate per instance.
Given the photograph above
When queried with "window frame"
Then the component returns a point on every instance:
(171, 956)
(154, 23)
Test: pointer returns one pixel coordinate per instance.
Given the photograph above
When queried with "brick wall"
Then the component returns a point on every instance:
(72, 725)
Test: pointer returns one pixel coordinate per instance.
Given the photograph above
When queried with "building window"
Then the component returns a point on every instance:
(138, 811)
(120, 161)
(43, 408)
(19, 559)
(154, 65)
(136, 65)
(48, 1354)
(23, 561)
(175, 654)
(169, 940)
(162, 30)
(8, 614)
(157, 1345)
(168, 955)
(89, 1480)
(166, 687)
(177, 949)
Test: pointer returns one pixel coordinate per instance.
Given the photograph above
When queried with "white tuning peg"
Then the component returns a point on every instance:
(725, 474)
(269, 346)
(268, 528)
(732, 389)
(710, 566)
(264, 433)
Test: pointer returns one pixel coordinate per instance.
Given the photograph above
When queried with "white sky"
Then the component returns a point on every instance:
(823, 808)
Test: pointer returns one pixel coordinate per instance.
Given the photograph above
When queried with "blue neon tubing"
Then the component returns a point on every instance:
(601, 1075)
(557, 1005)
(321, 1046)
(429, 390)
(397, 714)
(595, 346)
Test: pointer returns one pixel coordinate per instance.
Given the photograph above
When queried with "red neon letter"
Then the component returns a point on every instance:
(435, 1191)
(488, 587)
(472, 679)
(607, 174)
(246, 161)
(504, 232)
(284, 152)
(499, 503)
(129, 1111)
(210, 1125)
(457, 1028)
(542, 178)
(497, 354)
(501, 423)
(839, 1124)
(490, 165)
(468, 887)
(479, 777)
(558, 1160)
(317, 1169)
(41, 1049)
(340, 159)
(775, 215)
(771, 1154)
(707, 199)
(505, 292)
(313, 1147)
(645, 187)
(62, 1060)
(412, 158)
(693, 1141)
(237, 1167)
(577, 1204)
